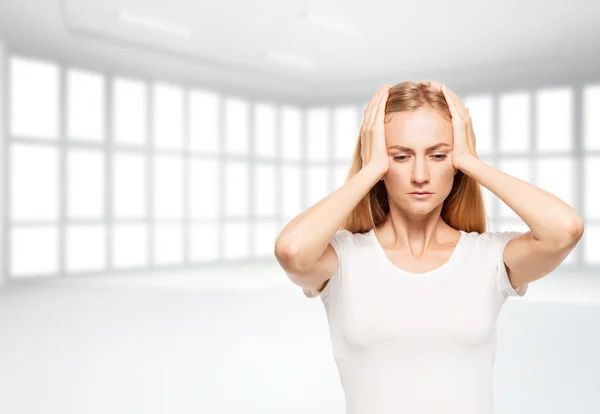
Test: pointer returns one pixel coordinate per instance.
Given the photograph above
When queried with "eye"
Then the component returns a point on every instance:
(438, 157)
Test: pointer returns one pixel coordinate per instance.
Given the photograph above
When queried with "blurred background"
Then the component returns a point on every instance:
(153, 150)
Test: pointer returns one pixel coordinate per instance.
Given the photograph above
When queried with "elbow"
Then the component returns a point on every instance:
(575, 230)
(285, 254)
(284, 249)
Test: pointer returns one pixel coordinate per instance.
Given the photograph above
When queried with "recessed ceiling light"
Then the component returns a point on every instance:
(290, 59)
(330, 23)
(153, 23)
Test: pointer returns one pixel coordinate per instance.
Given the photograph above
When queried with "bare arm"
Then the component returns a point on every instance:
(304, 239)
(302, 248)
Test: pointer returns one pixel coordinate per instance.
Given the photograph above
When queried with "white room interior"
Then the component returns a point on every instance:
(149, 163)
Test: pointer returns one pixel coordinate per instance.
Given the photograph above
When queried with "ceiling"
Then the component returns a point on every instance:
(462, 42)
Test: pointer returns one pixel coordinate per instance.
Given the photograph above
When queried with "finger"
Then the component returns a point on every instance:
(459, 106)
(380, 114)
(458, 103)
(437, 85)
(367, 110)
(451, 103)
(373, 110)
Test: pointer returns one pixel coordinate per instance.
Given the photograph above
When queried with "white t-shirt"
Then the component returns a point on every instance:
(417, 343)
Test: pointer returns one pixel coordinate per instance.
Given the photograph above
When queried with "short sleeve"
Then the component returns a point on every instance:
(340, 242)
(500, 240)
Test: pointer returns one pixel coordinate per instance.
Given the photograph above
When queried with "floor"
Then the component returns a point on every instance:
(246, 340)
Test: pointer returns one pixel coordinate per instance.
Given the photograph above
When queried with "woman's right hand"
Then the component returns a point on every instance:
(373, 149)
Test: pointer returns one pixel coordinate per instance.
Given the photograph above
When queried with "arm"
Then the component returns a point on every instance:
(303, 247)
(303, 241)
(555, 227)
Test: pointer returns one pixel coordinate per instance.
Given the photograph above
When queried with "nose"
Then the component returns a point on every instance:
(420, 173)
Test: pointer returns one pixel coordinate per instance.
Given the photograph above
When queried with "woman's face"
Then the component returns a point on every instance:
(414, 166)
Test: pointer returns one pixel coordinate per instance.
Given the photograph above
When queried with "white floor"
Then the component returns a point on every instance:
(248, 341)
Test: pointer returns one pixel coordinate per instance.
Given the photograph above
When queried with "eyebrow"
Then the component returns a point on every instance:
(440, 145)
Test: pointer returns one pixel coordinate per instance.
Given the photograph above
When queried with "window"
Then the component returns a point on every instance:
(168, 116)
(34, 95)
(85, 105)
(34, 182)
(130, 111)
(317, 134)
(183, 185)
(265, 136)
(554, 118)
(236, 126)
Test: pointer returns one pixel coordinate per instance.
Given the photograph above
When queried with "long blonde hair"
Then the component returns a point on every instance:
(464, 207)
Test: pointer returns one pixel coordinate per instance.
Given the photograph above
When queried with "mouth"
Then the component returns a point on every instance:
(420, 192)
(420, 196)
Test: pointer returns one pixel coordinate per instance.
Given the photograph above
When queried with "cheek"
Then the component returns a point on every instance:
(395, 177)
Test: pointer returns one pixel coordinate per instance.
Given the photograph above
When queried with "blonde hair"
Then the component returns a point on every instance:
(464, 207)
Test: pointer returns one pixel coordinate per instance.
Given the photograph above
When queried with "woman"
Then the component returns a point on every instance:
(413, 284)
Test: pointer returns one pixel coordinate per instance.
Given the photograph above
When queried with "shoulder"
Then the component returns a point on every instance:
(493, 239)
(343, 242)
(342, 238)
(492, 246)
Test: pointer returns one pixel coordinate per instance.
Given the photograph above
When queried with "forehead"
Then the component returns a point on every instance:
(418, 129)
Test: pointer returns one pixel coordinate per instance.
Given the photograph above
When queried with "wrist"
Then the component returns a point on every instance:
(377, 169)
(465, 160)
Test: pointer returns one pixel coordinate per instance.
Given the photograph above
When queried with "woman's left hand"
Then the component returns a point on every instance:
(464, 136)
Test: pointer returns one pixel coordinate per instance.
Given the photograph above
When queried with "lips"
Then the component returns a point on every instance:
(418, 192)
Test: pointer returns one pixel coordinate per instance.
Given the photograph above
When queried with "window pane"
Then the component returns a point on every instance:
(130, 113)
(590, 194)
(168, 187)
(168, 244)
(516, 168)
(515, 116)
(591, 118)
(481, 110)
(265, 233)
(86, 248)
(236, 126)
(512, 225)
(591, 241)
(318, 134)
(34, 183)
(346, 130)
(34, 250)
(291, 129)
(488, 196)
(291, 190)
(204, 242)
(129, 243)
(33, 98)
(129, 184)
(554, 119)
(236, 240)
(85, 105)
(555, 175)
(85, 184)
(318, 180)
(264, 130)
(236, 189)
(168, 116)
(264, 190)
(204, 121)
(340, 173)
(204, 188)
